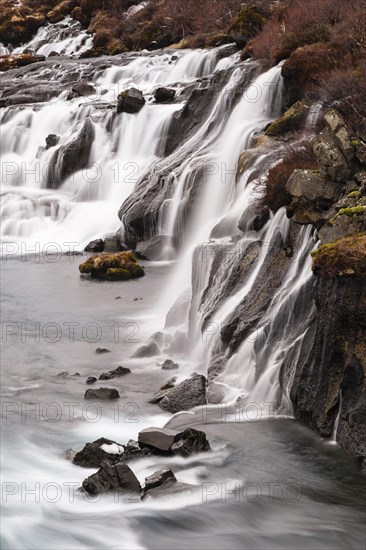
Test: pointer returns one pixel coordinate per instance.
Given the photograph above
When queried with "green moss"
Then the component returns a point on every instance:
(290, 121)
(120, 266)
(343, 258)
(354, 195)
(352, 211)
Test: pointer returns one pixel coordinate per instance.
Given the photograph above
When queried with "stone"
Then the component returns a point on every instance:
(82, 89)
(155, 249)
(119, 371)
(130, 101)
(95, 246)
(169, 365)
(118, 477)
(337, 126)
(164, 95)
(158, 396)
(160, 439)
(290, 121)
(254, 219)
(159, 478)
(52, 140)
(186, 395)
(93, 454)
(70, 455)
(169, 488)
(312, 185)
(13, 61)
(102, 350)
(120, 266)
(91, 380)
(150, 349)
(102, 394)
(330, 157)
(189, 442)
(113, 244)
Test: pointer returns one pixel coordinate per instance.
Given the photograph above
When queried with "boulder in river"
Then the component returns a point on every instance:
(186, 395)
(169, 365)
(95, 246)
(158, 396)
(120, 266)
(52, 140)
(91, 380)
(102, 350)
(119, 371)
(164, 95)
(102, 393)
(130, 101)
(112, 477)
(166, 441)
(82, 89)
(93, 454)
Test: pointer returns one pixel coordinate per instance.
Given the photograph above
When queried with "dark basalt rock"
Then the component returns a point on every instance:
(109, 477)
(102, 393)
(158, 396)
(166, 441)
(159, 478)
(102, 350)
(95, 246)
(71, 157)
(52, 140)
(91, 380)
(164, 95)
(329, 372)
(130, 101)
(186, 395)
(92, 455)
(119, 371)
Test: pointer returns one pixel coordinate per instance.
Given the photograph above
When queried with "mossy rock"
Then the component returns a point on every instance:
(120, 266)
(343, 258)
(247, 24)
(290, 121)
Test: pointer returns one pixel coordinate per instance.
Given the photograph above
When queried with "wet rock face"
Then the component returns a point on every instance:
(72, 157)
(109, 477)
(165, 441)
(93, 454)
(330, 374)
(130, 101)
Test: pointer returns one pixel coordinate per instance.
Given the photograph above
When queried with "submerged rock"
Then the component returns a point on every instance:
(118, 477)
(158, 396)
(130, 101)
(102, 350)
(169, 365)
(119, 371)
(162, 483)
(186, 395)
(120, 266)
(52, 140)
(91, 380)
(102, 393)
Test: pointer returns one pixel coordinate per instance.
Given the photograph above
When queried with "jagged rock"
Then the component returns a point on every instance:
(253, 219)
(134, 451)
(102, 350)
(52, 140)
(330, 149)
(189, 442)
(158, 396)
(102, 393)
(164, 95)
(290, 121)
(71, 157)
(109, 477)
(349, 218)
(360, 148)
(163, 440)
(91, 380)
(119, 266)
(93, 454)
(95, 246)
(169, 365)
(130, 101)
(159, 478)
(186, 395)
(338, 127)
(151, 348)
(119, 371)
(113, 244)
(248, 22)
(312, 193)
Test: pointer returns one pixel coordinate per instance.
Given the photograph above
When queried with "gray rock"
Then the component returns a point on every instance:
(312, 185)
(159, 478)
(102, 350)
(158, 396)
(337, 126)
(119, 371)
(160, 439)
(189, 442)
(101, 393)
(113, 244)
(95, 246)
(169, 365)
(130, 101)
(330, 157)
(82, 89)
(147, 350)
(109, 477)
(156, 248)
(91, 380)
(186, 395)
